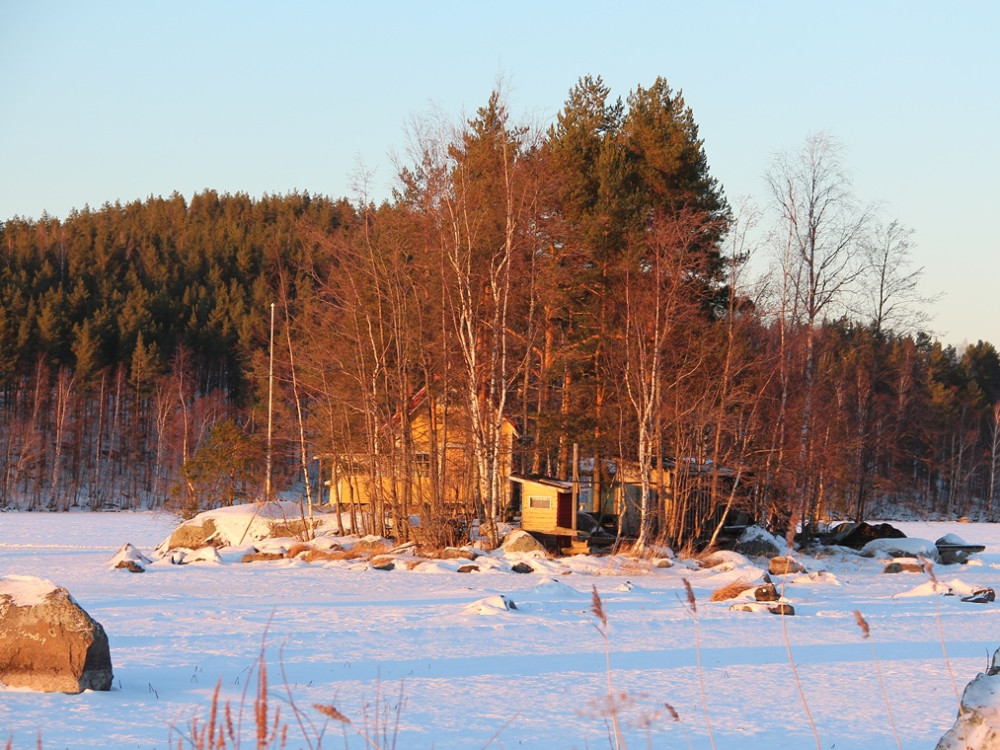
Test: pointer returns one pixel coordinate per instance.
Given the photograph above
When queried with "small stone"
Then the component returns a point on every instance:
(663, 562)
(766, 593)
(383, 563)
(522, 567)
(131, 566)
(786, 610)
(468, 569)
(262, 556)
(784, 565)
(455, 553)
(900, 566)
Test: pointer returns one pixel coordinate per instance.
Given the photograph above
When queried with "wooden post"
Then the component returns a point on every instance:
(576, 483)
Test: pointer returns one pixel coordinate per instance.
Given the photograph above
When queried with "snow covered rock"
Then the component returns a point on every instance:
(978, 722)
(777, 608)
(237, 524)
(521, 541)
(857, 535)
(207, 554)
(904, 547)
(492, 605)
(757, 542)
(953, 550)
(47, 641)
(724, 560)
(129, 558)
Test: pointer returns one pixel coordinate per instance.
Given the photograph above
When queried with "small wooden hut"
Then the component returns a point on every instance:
(548, 512)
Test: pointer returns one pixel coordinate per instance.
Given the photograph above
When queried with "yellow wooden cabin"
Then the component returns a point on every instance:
(441, 442)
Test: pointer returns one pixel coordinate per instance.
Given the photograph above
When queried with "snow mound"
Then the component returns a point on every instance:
(954, 587)
(551, 588)
(129, 553)
(819, 576)
(26, 591)
(497, 604)
(203, 555)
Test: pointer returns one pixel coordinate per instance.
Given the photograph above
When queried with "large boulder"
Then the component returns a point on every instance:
(857, 535)
(237, 524)
(47, 641)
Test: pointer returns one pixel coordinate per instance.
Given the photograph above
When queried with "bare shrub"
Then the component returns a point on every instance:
(730, 591)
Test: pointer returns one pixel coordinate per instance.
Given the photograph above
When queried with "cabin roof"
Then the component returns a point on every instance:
(559, 484)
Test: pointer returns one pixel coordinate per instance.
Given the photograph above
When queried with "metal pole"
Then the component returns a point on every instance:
(270, 410)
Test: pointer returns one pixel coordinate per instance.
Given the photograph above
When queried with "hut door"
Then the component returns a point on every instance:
(564, 510)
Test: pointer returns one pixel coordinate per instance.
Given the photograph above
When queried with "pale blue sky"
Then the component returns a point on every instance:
(103, 101)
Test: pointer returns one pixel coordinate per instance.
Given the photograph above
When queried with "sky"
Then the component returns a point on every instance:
(104, 101)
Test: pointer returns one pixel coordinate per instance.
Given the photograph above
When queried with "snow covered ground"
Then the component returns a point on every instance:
(472, 674)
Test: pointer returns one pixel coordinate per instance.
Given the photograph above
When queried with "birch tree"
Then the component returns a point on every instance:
(487, 212)
(822, 224)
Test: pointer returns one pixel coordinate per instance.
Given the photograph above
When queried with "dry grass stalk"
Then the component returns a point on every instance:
(863, 624)
(597, 609)
(692, 604)
(330, 711)
(866, 634)
(929, 569)
(793, 523)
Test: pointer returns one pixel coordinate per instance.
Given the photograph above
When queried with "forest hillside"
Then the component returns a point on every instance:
(586, 285)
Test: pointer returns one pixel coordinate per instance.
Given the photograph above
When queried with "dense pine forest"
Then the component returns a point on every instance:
(589, 284)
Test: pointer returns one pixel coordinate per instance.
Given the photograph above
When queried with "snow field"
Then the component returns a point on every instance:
(472, 672)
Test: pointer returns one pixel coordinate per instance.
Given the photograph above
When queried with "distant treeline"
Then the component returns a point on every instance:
(585, 283)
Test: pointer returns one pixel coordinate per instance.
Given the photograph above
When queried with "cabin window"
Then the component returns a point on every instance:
(422, 461)
(539, 502)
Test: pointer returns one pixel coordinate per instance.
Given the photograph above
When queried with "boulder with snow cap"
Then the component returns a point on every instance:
(953, 550)
(903, 547)
(47, 641)
(521, 541)
(757, 542)
(129, 558)
(237, 524)
(978, 722)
